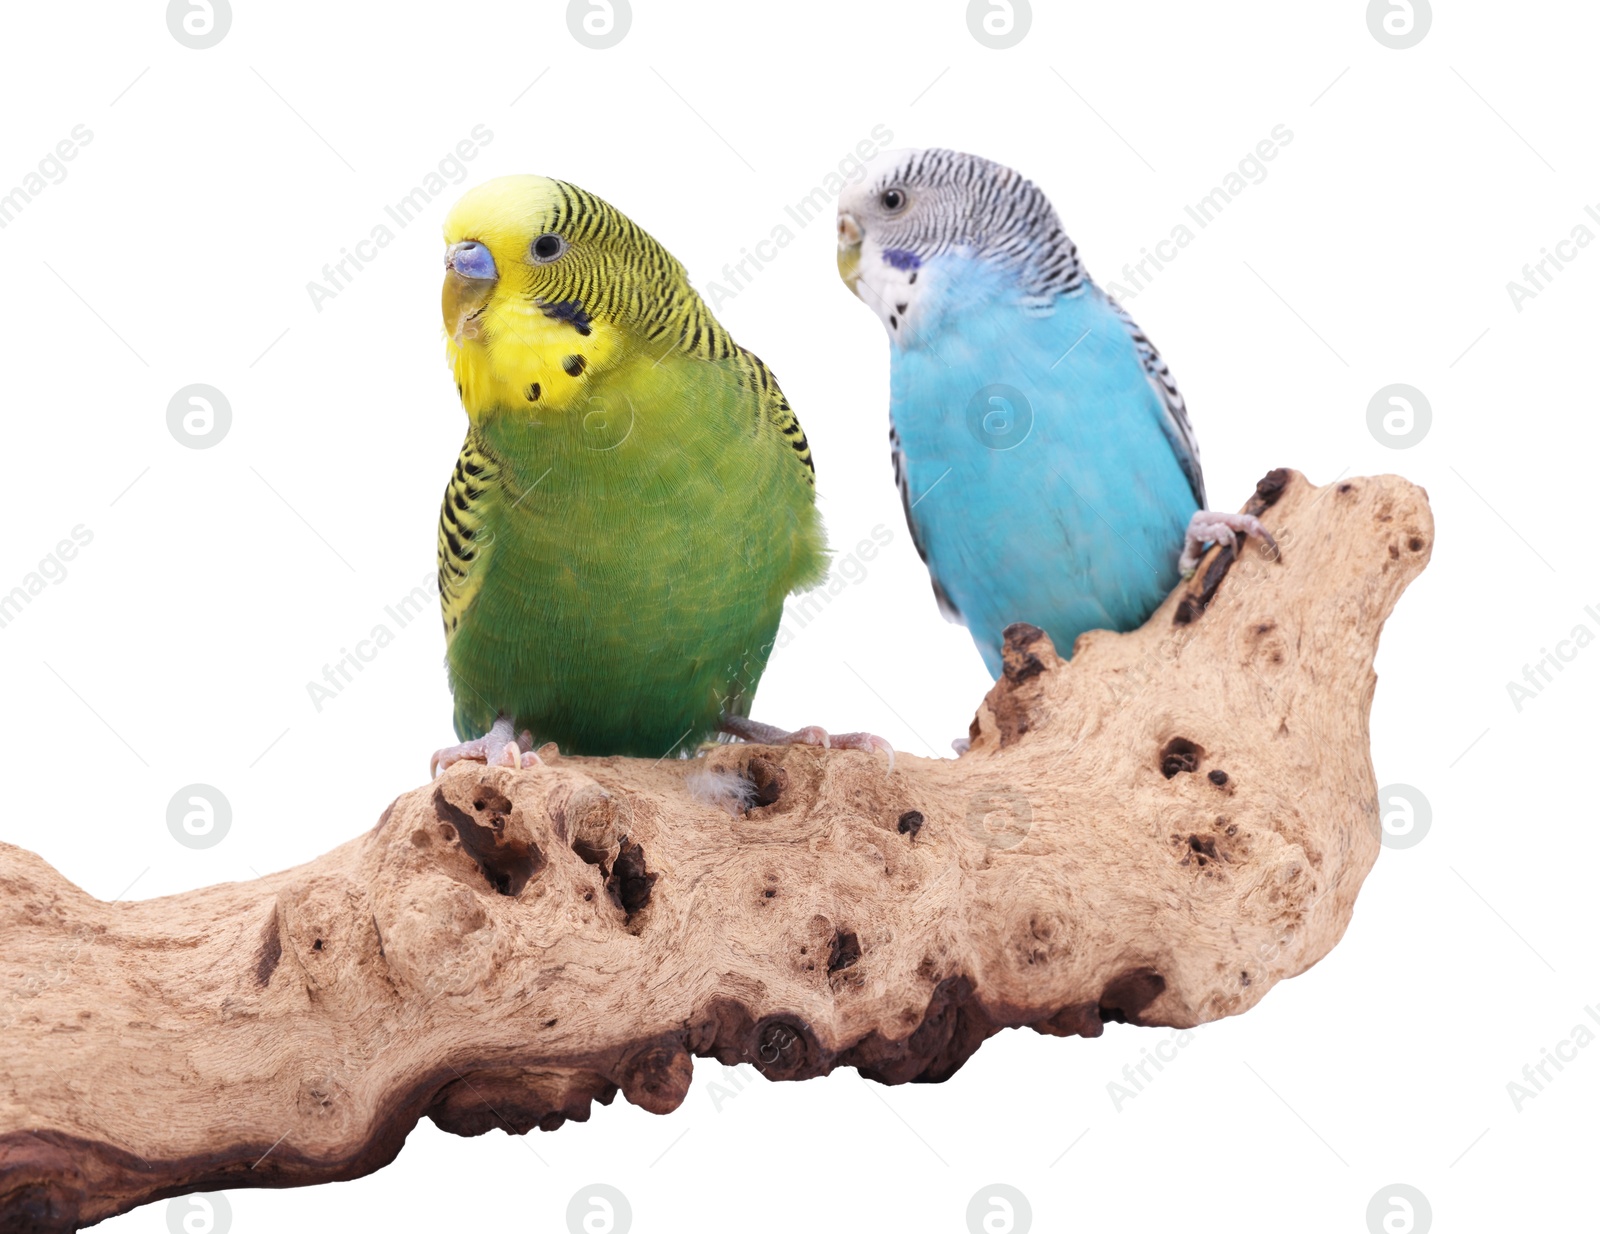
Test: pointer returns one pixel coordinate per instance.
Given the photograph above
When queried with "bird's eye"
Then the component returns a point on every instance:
(548, 247)
(892, 200)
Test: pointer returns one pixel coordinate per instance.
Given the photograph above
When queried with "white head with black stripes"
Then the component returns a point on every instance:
(915, 207)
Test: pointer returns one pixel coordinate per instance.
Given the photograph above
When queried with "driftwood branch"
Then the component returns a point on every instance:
(1155, 832)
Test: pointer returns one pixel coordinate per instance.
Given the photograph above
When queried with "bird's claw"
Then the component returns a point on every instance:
(513, 755)
(811, 735)
(871, 743)
(1218, 527)
(496, 748)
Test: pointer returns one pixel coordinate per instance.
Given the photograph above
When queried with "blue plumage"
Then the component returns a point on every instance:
(1045, 458)
(1065, 508)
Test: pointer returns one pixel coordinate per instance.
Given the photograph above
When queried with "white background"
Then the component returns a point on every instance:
(178, 647)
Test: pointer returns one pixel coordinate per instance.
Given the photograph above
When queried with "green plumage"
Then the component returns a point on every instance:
(613, 567)
(629, 596)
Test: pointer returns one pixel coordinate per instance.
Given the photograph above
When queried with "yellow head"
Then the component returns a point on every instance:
(545, 287)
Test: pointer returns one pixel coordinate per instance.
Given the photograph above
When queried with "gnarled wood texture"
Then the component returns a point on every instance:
(1157, 832)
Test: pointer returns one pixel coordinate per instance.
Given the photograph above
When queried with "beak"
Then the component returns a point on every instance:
(469, 279)
(850, 236)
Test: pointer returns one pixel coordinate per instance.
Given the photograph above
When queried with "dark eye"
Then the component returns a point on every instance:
(892, 200)
(548, 247)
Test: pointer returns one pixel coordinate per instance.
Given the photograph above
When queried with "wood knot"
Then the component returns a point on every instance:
(585, 815)
(1073, 1020)
(493, 836)
(770, 780)
(629, 883)
(781, 1048)
(42, 1189)
(845, 952)
(1270, 487)
(657, 1078)
(1019, 655)
(1027, 657)
(1179, 755)
(1128, 993)
(516, 1101)
(269, 951)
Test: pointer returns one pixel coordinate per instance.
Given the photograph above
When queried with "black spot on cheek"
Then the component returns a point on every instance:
(573, 365)
(894, 321)
(899, 308)
(532, 392)
(913, 276)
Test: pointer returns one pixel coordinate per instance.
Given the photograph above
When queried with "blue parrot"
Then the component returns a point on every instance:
(1044, 455)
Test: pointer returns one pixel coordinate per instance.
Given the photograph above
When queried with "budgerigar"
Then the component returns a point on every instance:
(634, 498)
(1043, 452)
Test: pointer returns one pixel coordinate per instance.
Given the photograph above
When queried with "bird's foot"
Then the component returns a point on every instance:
(1218, 527)
(501, 746)
(771, 735)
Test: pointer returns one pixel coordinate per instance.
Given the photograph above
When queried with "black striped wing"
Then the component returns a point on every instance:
(758, 376)
(1180, 433)
(463, 548)
(897, 456)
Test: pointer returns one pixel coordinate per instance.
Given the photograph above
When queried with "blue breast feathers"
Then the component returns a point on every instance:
(1041, 479)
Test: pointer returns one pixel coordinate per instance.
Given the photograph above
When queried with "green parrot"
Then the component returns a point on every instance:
(634, 499)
